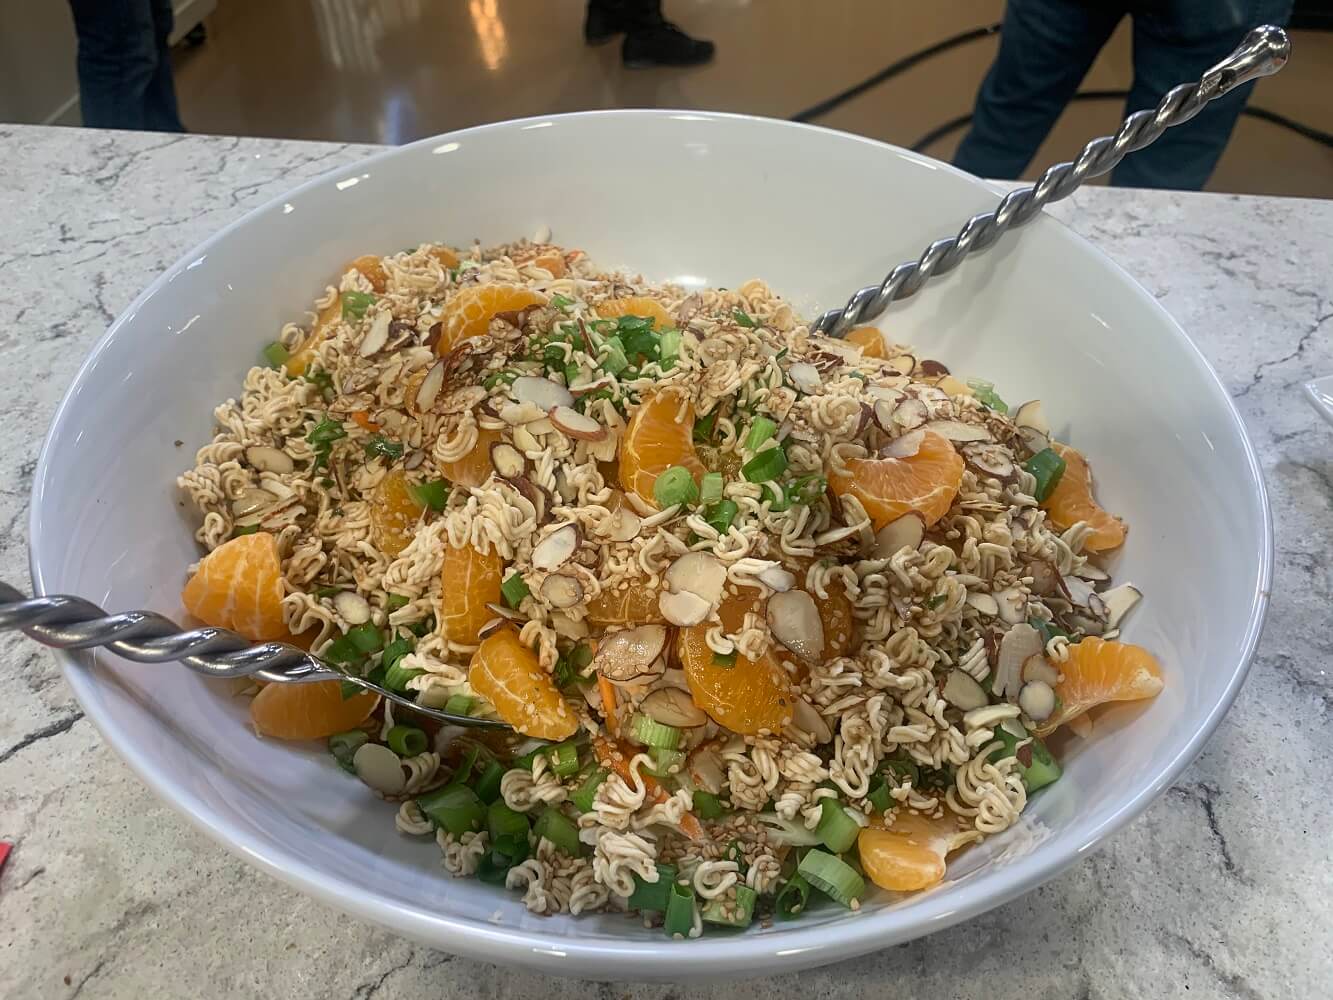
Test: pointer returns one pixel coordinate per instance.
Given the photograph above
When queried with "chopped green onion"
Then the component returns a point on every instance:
(459, 704)
(739, 914)
(807, 490)
(454, 808)
(775, 496)
(502, 822)
(710, 487)
(564, 758)
(679, 910)
(349, 689)
(555, 826)
(514, 589)
(721, 515)
(344, 746)
(1048, 630)
(703, 428)
(276, 355)
(488, 785)
(761, 429)
(407, 741)
(560, 302)
(378, 444)
(727, 660)
(793, 898)
(937, 601)
(832, 876)
(563, 673)
(707, 805)
(321, 380)
(433, 494)
(394, 653)
(355, 304)
(675, 486)
(583, 795)
(464, 772)
(422, 628)
(744, 319)
(397, 601)
(1047, 468)
(580, 656)
(665, 762)
(652, 733)
(986, 395)
(766, 466)
(668, 347)
(366, 638)
(326, 432)
(652, 897)
(878, 796)
(614, 362)
(245, 529)
(341, 650)
(902, 768)
(836, 828)
(1036, 766)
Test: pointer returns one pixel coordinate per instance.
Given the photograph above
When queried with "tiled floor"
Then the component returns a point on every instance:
(395, 70)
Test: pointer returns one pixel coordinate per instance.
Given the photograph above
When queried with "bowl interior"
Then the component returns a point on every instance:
(702, 200)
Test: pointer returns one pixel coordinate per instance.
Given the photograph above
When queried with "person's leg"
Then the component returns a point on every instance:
(1177, 41)
(1046, 47)
(116, 61)
(160, 111)
(652, 40)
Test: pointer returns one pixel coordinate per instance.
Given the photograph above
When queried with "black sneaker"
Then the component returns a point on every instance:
(663, 44)
(605, 20)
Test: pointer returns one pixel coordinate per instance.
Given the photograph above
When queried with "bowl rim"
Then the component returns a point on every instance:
(744, 954)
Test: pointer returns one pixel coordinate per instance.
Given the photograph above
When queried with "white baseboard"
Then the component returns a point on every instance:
(188, 14)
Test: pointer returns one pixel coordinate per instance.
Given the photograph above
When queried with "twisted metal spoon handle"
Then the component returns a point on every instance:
(1263, 52)
(147, 637)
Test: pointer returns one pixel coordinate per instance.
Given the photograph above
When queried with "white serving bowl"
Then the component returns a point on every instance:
(700, 199)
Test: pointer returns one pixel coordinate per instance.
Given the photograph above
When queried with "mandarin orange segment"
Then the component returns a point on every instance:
(910, 853)
(508, 675)
(470, 311)
(474, 468)
(925, 482)
(632, 602)
(749, 695)
(471, 581)
(444, 255)
(654, 441)
(328, 318)
(870, 339)
(394, 515)
(308, 711)
(372, 270)
(835, 611)
(1072, 501)
(637, 305)
(239, 586)
(1099, 671)
(551, 262)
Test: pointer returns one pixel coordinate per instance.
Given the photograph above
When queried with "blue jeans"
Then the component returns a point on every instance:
(1046, 48)
(124, 64)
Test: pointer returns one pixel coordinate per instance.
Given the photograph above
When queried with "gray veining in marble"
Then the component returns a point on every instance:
(1222, 889)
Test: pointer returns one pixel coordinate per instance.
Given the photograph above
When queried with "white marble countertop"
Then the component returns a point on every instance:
(1221, 889)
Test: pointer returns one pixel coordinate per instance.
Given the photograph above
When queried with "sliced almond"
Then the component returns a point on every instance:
(1037, 700)
(352, 607)
(698, 573)
(806, 719)
(989, 460)
(776, 578)
(430, 387)
(672, 706)
(507, 460)
(250, 500)
(1088, 571)
(984, 603)
(491, 627)
(1038, 668)
(1013, 604)
(906, 446)
(557, 548)
(575, 424)
(561, 591)
(582, 388)
(962, 691)
(931, 368)
(904, 364)
(904, 531)
(704, 768)
(1019, 643)
(1033, 441)
(414, 459)
(794, 620)
(515, 414)
(380, 768)
(1097, 607)
(540, 392)
(882, 412)
(835, 535)
(956, 430)
(953, 386)
(508, 613)
(805, 377)
(889, 393)
(534, 495)
(631, 654)
(622, 526)
(267, 459)
(1119, 602)
(683, 609)
(1031, 415)
(1078, 591)
(910, 414)
(377, 336)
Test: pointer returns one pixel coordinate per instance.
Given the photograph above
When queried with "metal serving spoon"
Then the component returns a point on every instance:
(1263, 52)
(147, 637)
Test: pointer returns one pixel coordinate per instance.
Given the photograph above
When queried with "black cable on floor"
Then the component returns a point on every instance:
(990, 30)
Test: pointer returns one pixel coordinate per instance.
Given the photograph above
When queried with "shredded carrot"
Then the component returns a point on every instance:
(362, 418)
(608, 693)
(615, 756)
